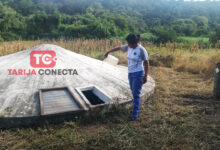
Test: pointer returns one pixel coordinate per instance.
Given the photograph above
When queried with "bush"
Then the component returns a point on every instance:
(149, 37)
(9, 36)
(215, 36)
(1, 39)
(164, 35)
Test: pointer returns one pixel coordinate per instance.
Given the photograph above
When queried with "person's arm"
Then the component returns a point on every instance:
(146, 68)
(112, 50)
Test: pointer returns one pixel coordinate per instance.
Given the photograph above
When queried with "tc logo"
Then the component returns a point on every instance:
(43, 59)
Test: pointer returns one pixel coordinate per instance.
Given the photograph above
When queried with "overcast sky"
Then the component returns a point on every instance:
(199, 0)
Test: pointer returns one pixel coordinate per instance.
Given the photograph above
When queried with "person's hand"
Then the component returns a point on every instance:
(144, 79)
(106, 54)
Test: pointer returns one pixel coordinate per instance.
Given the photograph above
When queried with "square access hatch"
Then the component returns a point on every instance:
(58, 100)
(94, 96)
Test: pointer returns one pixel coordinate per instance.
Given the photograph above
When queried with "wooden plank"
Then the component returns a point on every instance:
(76, 98)
(51, 103)
(54, 112)
(57, 106)
(66, 109)
(58, 100)
(52, 89)
(61, 107)
(41, 102)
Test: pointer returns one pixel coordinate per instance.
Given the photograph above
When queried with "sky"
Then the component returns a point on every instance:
(199, 0)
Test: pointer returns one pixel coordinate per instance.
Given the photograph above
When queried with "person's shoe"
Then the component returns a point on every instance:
(131, 118)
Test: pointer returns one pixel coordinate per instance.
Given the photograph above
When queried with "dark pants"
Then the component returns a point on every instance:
(136, 82)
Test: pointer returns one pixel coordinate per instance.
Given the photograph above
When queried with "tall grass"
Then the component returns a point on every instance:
(181, 57)
(198, 62)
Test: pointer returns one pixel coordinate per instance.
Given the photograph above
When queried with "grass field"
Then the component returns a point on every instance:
(182, 113)
(193, 39)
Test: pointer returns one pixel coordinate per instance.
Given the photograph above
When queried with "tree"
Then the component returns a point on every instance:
(42, 24)
(186, 26)
(202, 25)
(12, 25)
(31, 19)
(215, 37)
(164, 35)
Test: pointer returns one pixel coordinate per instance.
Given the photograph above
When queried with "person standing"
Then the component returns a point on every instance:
(138, 66)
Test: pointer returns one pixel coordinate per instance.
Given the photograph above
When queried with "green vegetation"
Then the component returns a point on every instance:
(159, 21)
(193, 39)
(215, 36)
(150, 37)
(190, 40)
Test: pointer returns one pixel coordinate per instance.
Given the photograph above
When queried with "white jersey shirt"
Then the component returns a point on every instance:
(135, 57)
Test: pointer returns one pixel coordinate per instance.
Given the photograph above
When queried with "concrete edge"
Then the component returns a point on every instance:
(34, 121)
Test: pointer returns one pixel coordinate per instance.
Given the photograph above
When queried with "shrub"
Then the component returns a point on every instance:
(215, 36)
(164, 35)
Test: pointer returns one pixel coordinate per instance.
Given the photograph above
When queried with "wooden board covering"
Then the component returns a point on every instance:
(58, 100)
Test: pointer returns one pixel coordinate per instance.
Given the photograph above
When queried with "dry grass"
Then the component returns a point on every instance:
(182, 60)
(182, 113)
(179, 57)
(175, 117)
(92, 48)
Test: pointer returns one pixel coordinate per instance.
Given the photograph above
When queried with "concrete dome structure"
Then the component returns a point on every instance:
(25, 87)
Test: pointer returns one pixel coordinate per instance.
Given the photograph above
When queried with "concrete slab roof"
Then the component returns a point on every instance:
(19, 92)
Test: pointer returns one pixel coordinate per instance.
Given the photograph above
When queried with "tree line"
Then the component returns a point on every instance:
(165, 20)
